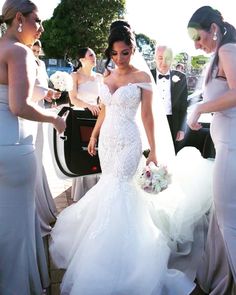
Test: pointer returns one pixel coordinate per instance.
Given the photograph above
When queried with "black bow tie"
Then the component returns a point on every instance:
(160, 76)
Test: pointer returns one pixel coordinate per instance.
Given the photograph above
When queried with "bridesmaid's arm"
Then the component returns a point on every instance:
(96, 131)
(21, 81)
(227, 66)
(39, 92)
(74, 92)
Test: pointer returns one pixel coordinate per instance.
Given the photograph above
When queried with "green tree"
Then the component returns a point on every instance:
(198, 62)
(2, 29)
(147, 47)
(80, 23)
(181, 57)
(145, 44)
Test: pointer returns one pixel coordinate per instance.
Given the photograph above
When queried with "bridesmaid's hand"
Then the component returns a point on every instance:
(92, 146)
(60, 124)
(193, 119)
(52, 94)
(95, 110)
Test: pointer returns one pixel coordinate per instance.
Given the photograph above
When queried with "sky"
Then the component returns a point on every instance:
(165, 21)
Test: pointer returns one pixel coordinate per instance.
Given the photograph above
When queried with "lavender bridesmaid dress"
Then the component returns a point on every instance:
(217, 273)
(23, 267)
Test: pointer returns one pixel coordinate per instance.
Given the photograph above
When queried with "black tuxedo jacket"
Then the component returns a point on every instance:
(179, 95)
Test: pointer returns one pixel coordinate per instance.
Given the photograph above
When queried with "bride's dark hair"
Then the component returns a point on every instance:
(119, 23)
(119, 31)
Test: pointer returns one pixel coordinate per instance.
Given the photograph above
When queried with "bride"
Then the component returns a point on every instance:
(118, 239)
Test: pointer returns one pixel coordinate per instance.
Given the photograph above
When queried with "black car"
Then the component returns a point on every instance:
(70, 151)
(200, 139)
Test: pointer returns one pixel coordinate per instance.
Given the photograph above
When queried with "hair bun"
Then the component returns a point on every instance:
(119, 24)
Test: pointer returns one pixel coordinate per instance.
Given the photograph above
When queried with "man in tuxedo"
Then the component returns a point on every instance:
(172, 90)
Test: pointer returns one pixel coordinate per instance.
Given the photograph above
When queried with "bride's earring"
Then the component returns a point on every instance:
(20, 28)
(215, 36)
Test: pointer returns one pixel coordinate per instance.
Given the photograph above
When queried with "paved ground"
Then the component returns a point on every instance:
(62, 201)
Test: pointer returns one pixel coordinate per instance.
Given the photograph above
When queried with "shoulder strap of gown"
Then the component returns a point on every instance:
(145, 85)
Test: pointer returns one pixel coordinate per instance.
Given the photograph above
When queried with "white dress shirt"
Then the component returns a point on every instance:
(164, 93)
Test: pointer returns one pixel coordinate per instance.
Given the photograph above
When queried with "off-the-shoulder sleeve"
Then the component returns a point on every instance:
(146, 86)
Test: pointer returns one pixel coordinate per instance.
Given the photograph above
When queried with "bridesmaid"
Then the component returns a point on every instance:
(45, 205)
(209, 31)
(85, 94)
(23, 267)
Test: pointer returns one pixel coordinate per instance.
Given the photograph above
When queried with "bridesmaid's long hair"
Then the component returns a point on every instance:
(202, 19)
(80, 54)
(119, 31)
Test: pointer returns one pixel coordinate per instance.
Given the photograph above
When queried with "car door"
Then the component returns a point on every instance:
(70, 148)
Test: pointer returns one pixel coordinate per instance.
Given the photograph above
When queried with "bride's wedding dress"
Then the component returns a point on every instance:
(117, 239)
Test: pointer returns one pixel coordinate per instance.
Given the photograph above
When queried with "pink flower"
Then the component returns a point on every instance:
(148, 173)
(154, 179)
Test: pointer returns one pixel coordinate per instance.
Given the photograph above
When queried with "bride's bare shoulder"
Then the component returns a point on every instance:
(143, 76)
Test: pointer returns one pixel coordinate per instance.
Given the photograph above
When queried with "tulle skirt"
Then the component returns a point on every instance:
(116, 239)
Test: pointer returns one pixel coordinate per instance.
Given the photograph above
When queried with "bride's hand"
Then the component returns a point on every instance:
(92, 146)
(151, 158)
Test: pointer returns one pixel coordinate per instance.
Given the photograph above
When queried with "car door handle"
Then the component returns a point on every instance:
(63, 137)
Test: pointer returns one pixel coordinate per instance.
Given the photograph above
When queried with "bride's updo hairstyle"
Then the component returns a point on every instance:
(11, 7)
(119, 23)
(119, 31)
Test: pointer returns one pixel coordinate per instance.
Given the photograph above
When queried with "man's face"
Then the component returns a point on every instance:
(164, 59)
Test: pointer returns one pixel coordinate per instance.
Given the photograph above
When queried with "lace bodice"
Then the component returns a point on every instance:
(124, 102)
(120, 145)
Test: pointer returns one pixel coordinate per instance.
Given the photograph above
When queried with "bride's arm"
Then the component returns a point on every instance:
(148, 123)
(95, 133)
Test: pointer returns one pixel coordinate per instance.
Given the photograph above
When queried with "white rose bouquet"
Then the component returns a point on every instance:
(62, 81)
(154, 179)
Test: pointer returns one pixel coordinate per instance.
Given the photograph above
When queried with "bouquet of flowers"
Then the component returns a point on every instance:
(62, 81)
(154, 179)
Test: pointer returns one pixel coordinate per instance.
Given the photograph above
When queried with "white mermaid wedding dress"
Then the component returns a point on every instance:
(117, 239)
